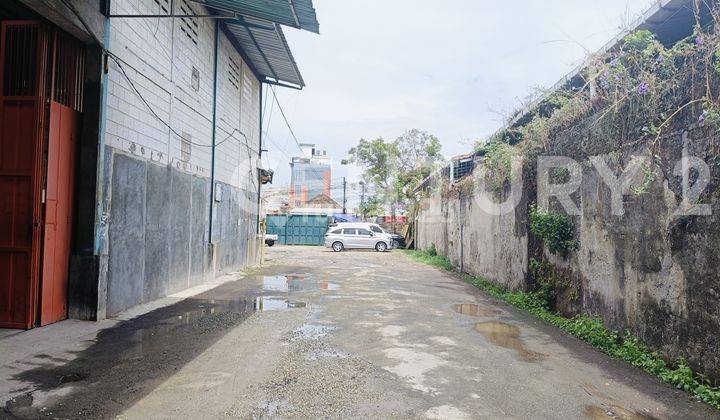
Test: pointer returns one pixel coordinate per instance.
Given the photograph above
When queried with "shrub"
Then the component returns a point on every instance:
(551, 281)
(556, 230)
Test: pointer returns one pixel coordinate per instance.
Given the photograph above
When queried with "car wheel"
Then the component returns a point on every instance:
(337, 246)
(381, 247)
(395, 244)
(270, 243)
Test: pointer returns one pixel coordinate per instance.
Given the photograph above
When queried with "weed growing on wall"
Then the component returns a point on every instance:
(552, 282)
(626, 347)
(498, 164)
(556, 230)
(638, 91)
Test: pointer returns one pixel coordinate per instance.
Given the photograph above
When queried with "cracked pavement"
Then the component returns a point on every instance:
(334, 335)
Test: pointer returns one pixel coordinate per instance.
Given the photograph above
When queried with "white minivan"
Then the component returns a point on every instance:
(356, 236)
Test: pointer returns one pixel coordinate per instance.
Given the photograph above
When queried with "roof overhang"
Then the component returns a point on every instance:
(265, 47)
(253, 26)
(299, 14)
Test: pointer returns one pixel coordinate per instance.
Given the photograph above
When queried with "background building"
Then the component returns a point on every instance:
(310, 175)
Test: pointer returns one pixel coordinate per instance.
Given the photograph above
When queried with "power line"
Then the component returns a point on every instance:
(287, 123)
(286, 120)
(117, 60)
(231, 134)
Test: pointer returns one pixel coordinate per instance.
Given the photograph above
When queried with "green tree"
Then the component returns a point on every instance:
(372, 206)
(396, 168)
(418, 155)
(376, 157)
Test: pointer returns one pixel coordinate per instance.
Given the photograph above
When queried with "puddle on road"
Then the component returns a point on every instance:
(203, 316)
(296, 283)
(507, 336)
(595, 412)
(206, 312)
(269, 303)
(71, 377)
(144, 351)
(472, 309)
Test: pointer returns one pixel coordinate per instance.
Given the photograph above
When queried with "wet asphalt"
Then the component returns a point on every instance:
(317, 334)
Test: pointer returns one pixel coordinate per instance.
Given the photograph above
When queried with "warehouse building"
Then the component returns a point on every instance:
(130, 147)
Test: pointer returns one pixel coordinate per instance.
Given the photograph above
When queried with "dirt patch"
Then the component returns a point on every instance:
(318, 381)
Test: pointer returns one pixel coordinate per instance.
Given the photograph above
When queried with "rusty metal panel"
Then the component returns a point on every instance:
(62, 140)
(23, 50)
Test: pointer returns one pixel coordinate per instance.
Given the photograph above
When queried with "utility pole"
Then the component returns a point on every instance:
(344, 197)
(362, 200)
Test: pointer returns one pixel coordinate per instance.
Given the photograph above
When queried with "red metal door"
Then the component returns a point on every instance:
(23, 51)
(62, 140)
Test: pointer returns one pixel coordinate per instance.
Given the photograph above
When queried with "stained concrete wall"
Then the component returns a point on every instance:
(495, 247)
(649, 270)
(158, 241)
(154, 230)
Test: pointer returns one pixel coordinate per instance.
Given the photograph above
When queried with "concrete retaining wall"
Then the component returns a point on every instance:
(649, 270)
(495, 247)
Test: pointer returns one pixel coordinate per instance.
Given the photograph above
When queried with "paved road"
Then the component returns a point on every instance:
(352, 334)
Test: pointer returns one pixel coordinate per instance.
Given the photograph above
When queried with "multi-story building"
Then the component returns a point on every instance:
(311, 175)
(129, 147)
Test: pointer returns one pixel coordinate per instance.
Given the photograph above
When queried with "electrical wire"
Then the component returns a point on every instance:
(230, 134)
(286, 120)
(117, 60)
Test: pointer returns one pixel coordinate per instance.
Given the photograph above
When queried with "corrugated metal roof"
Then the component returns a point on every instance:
(298, 14)
(264, 44)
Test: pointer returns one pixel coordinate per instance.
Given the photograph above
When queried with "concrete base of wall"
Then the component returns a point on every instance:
(158, 231)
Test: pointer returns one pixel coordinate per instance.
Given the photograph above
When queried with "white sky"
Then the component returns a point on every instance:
(380, 67)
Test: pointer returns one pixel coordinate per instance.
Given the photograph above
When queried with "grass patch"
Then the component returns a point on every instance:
(626, 347)
(430, 258)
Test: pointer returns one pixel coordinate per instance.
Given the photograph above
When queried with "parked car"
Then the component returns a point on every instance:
(270, 239)
(395, 240)
(398, 241)
(351, 236)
